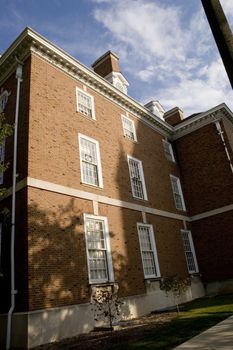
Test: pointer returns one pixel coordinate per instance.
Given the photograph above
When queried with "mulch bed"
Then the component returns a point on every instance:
(126, 331)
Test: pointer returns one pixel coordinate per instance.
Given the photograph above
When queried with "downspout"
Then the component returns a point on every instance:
(14, 176)
(220, 132)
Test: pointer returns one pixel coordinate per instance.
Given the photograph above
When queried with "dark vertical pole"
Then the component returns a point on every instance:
(222, 33)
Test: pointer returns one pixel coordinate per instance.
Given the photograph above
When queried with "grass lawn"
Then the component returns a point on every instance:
(194, 318)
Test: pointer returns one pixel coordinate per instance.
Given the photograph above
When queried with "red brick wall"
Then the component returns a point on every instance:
(58, 272)
(53, 141)
(214, 245)
(207, 178)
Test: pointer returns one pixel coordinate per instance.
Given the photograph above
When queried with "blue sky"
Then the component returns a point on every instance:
(166, 49)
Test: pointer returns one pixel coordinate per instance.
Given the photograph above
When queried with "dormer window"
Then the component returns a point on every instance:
(117, 80)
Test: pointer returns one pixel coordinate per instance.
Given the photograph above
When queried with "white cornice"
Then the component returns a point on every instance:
(202, 119)
(31, 42)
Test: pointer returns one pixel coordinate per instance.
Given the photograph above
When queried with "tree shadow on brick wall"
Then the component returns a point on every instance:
(125, 243)
(57, 265)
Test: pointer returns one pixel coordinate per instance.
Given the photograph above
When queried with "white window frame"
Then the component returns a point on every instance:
(169, 154)
(192, 251)
(99, 167)
(180, 193)
(123, 117)
(154, 250)
(2, 158)
(108, 249)
(92, 117)
(141, 173)
(3, 100)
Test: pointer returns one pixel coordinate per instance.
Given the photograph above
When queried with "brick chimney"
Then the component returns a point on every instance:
(174, 116)
(106, 64)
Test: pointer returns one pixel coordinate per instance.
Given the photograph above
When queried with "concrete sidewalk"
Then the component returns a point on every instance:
(217, 337)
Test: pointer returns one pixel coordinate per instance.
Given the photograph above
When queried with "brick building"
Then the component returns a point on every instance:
(109, 193)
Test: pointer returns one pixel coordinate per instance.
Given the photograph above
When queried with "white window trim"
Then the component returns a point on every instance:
(142, 178)
(133, 127)
(170, 150)
(92, 104)
(2, 161)
(3, 100)
(99, 167)
(180, 192)
(192, 250)
(108, 249)
(153, 244)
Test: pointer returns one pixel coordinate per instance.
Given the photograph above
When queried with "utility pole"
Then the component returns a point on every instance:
(222, 33)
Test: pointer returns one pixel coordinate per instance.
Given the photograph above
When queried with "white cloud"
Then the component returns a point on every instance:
(173, 56)
(227, 6)
(208, 89)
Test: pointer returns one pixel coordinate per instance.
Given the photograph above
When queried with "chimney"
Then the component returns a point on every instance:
(106, 64)
(174, 116)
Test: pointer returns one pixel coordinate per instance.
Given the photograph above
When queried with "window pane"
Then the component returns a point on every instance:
(168, 150)
(89, 162)
(177, 193)
(85, 104)
(96, 246)
(147, 251)
(186, 236)
(128, 128)
(136, 180)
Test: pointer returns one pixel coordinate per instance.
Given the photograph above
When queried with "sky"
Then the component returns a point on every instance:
(166, 49)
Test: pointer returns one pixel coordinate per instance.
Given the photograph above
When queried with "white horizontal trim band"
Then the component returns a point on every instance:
(212, 213)
(49, 186)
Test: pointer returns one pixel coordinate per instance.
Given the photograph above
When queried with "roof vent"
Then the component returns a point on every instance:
(156, 108)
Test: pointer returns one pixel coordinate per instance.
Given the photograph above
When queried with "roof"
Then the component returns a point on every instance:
(29, 42)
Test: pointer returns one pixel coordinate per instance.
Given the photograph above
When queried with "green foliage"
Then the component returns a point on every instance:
(106, 305)
(177, 286)
(6, 130)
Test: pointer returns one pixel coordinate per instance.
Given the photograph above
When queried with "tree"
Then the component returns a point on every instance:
(6, 130)
(177, 286)
(106, 305)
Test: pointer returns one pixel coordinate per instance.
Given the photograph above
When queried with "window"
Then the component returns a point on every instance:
(91, 172)
(168, 151)
(137, 178)
(148, 251)
(98, 249)
(128, 128)
(177, 193)
(2, 156)
(189, 251)
(3, 100)
(85, 104)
